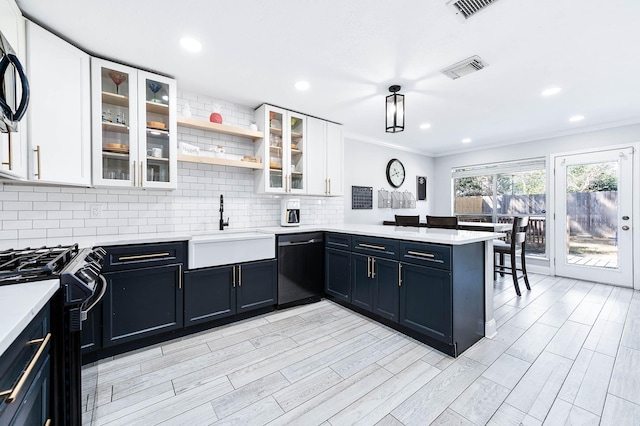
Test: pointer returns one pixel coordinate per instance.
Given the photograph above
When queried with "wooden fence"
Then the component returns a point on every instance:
(588, 213)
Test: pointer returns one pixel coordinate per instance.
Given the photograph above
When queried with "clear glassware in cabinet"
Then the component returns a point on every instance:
(134, 127)
(276, 177)
(283, 146)
(114, 122)
(296, 152)
(158, 94)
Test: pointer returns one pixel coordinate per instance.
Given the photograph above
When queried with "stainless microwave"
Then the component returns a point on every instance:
(14, 88)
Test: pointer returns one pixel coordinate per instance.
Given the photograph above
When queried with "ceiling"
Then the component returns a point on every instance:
(352, 51)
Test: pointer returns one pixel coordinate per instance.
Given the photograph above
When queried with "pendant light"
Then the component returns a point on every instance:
(395, 110)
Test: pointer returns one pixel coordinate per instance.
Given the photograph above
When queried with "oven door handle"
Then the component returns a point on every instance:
(103, 290)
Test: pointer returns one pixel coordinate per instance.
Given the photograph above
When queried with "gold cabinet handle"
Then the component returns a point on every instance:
(47, 423)
(13, 393)
(37, 151)
(399, 274)
(143, 256)
(417, 253)
(233, 279)
(135, 174)
(368, 267)
(373, 267)
(239, 275)
(370, 246)
(10, 153)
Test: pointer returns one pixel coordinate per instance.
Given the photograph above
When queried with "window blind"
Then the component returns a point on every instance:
(506, 167)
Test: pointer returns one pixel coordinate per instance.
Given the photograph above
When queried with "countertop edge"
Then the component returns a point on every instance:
(20, 303)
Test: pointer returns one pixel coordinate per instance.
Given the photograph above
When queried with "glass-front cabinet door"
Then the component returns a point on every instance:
(276, 147)
(134, 127)
(283, 148)
(297, 140)
(157, 130)
(115, 118)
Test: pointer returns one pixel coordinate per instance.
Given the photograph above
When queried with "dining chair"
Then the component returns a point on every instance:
(514, 248)
(445, 222)
(407, 220)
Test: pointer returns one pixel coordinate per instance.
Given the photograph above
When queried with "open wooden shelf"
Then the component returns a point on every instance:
(195, 123)
(219, 161)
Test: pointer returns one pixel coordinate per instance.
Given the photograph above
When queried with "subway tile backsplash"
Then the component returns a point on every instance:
(33, 211)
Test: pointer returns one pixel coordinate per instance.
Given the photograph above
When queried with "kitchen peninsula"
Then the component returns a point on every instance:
(447, 252)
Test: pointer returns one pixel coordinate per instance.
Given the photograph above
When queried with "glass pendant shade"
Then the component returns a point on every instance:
(395, 111)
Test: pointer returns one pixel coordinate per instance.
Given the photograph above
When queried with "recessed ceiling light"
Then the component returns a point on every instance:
(190, 44)
(466, 140)
(425, 126)
(576, 118)
(551, 91)
(302, 85)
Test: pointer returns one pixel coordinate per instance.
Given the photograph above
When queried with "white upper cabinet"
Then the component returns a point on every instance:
(134, 127)
(59, 132)
(283, 149)
(13, 147)
(325, 145)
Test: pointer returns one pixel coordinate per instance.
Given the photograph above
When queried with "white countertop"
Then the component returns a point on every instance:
(428, 235)
(19, 303)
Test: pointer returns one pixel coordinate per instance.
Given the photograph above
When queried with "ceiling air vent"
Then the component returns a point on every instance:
(467, 8)
(462, 68)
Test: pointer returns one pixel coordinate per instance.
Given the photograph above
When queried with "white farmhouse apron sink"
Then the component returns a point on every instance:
(225, 248)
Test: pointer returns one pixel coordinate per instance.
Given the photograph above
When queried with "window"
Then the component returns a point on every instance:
(497, 192)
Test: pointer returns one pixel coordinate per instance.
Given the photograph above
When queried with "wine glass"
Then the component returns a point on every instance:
(154, 86)
(117, 77)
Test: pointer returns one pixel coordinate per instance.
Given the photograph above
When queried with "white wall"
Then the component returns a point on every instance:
(35, 212)
(366, 165)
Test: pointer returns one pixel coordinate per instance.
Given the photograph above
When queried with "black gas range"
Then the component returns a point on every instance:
(81, 288)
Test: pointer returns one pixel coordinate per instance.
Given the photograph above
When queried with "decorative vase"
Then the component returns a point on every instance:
(215, 116)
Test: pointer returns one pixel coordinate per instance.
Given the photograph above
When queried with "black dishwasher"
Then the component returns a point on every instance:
(300, 268)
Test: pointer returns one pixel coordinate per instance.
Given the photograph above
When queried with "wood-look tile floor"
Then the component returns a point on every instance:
(567, 352)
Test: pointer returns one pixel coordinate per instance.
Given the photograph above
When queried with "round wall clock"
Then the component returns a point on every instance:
(395, 173)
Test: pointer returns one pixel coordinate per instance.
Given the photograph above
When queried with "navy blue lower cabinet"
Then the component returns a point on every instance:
(256, 285)
(386, 291)
(362, 282)
(426, 301)
(208, 294)
(222, 291)
(337, 274)
(141, 302)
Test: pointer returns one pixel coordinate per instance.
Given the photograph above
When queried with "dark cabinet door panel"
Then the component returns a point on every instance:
(142, 302)
(425, 301)
(256, 285)
(362, 281)
(208, 294)
(337, 274)
(386, 290)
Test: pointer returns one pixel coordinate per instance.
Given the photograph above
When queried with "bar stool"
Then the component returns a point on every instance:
(444, 222)
(407, 220)
(518, 236)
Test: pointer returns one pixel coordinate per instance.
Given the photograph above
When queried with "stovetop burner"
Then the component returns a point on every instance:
(33, 264)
